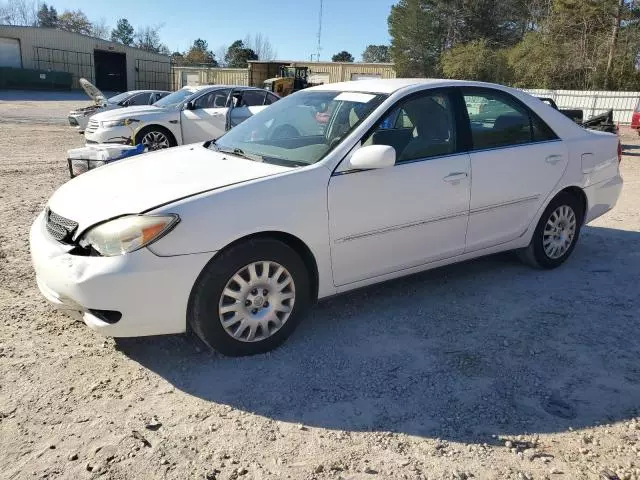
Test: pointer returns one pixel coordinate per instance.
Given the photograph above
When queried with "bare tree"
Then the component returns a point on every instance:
(261, 45)
(100, 29)
(614, 41)
(220, 54)
(148, 38)
(19, 12)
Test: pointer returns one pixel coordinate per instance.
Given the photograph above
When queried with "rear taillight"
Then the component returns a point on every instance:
(619, 151)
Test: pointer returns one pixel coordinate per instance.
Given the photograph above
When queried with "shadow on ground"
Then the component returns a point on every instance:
(483, 347)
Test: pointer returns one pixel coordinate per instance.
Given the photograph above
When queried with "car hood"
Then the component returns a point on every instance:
(94, 92)
(128, 112)
(140, 183)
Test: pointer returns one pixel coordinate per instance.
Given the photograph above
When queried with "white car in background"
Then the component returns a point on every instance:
(192, 114)
(236, 238)
(79, 117)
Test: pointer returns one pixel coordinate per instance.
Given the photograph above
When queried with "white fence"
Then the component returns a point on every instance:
(594, 102)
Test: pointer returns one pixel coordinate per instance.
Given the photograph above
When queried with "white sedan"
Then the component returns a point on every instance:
(192, 114)
(79, 117)
(332, 188)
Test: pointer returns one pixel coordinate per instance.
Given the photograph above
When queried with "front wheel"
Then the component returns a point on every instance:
(556, 234)
(250, 298)
(155, 138)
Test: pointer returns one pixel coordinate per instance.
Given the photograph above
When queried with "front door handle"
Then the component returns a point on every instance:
(553, 159)
(455, 177)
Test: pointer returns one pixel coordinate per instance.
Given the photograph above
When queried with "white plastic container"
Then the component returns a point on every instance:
(87, 158)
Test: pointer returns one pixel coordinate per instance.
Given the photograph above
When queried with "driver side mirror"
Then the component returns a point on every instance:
(190, 106)
(373, 156)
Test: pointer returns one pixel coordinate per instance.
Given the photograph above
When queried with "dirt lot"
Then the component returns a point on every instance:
(487, 369)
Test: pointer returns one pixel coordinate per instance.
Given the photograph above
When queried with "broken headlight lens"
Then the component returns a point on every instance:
(128, 234)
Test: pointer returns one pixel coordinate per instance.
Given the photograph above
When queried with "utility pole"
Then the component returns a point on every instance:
(319, 33)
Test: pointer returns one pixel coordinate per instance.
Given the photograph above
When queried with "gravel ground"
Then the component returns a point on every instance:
(487, 369)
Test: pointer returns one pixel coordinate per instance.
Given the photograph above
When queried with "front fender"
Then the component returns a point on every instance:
(294, 202)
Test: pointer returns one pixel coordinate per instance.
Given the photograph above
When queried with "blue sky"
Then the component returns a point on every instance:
(290, 25)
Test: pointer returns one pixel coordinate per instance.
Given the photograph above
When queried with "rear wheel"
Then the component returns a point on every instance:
(250, 298)
(556, 234)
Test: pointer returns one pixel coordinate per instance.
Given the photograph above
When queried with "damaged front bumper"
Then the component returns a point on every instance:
(141, 293)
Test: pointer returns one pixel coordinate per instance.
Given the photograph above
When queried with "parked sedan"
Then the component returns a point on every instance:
(237, 238)
(192, 114)
(79, 117)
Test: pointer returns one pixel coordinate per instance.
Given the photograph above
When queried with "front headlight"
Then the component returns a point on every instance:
(128, 234)
(114, 123)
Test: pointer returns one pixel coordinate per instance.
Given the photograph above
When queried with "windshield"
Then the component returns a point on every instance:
(119, 98)
(301, 128)
(175, 98)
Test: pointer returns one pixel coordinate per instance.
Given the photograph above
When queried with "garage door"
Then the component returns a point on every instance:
(111, 71)
(10, 53)
(190, 79)
(365, 76)
(319, 78)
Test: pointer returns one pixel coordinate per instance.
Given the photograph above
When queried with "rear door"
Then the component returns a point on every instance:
(207, 120)
(516, 161)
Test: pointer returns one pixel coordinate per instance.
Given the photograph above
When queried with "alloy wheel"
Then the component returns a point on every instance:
(155, 140)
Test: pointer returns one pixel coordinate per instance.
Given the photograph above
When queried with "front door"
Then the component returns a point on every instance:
(207, 118)
(246, 103)
(387, 220)
(516, 160)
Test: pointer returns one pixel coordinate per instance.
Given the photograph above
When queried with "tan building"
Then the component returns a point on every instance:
(258, 72)
(111, 66)
(321, 72)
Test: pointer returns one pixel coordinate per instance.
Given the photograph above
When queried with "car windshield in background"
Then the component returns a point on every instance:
(175, 98)
(119, 98)
(301, 128)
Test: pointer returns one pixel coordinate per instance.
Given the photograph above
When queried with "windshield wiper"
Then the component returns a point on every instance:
(238, 152)
(254, 156)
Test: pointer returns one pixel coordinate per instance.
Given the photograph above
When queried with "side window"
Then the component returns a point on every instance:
(252, 98)
(140, 99)
(496, 120)
(271, 98)
(541, 131)
(215, 99)
(420, 127)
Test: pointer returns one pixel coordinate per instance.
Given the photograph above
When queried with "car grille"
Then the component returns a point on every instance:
(92, 126)
(60, 228)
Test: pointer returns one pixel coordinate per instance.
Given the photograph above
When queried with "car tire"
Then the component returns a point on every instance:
(556, 234)
(151, 134)
(227, 323)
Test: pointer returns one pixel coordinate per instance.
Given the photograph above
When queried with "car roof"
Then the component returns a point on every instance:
(391, 85)
(147, 91)
(197, 88)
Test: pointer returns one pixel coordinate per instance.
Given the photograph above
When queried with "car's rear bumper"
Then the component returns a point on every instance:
(602, 197)
(150, 292)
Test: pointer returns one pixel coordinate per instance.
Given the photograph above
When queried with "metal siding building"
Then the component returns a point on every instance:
(321, 72)
(109, 65)
(258, 72)
(183, 76)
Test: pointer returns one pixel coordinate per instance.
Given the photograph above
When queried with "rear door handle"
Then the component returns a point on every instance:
(455, 177)
(553, 159)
